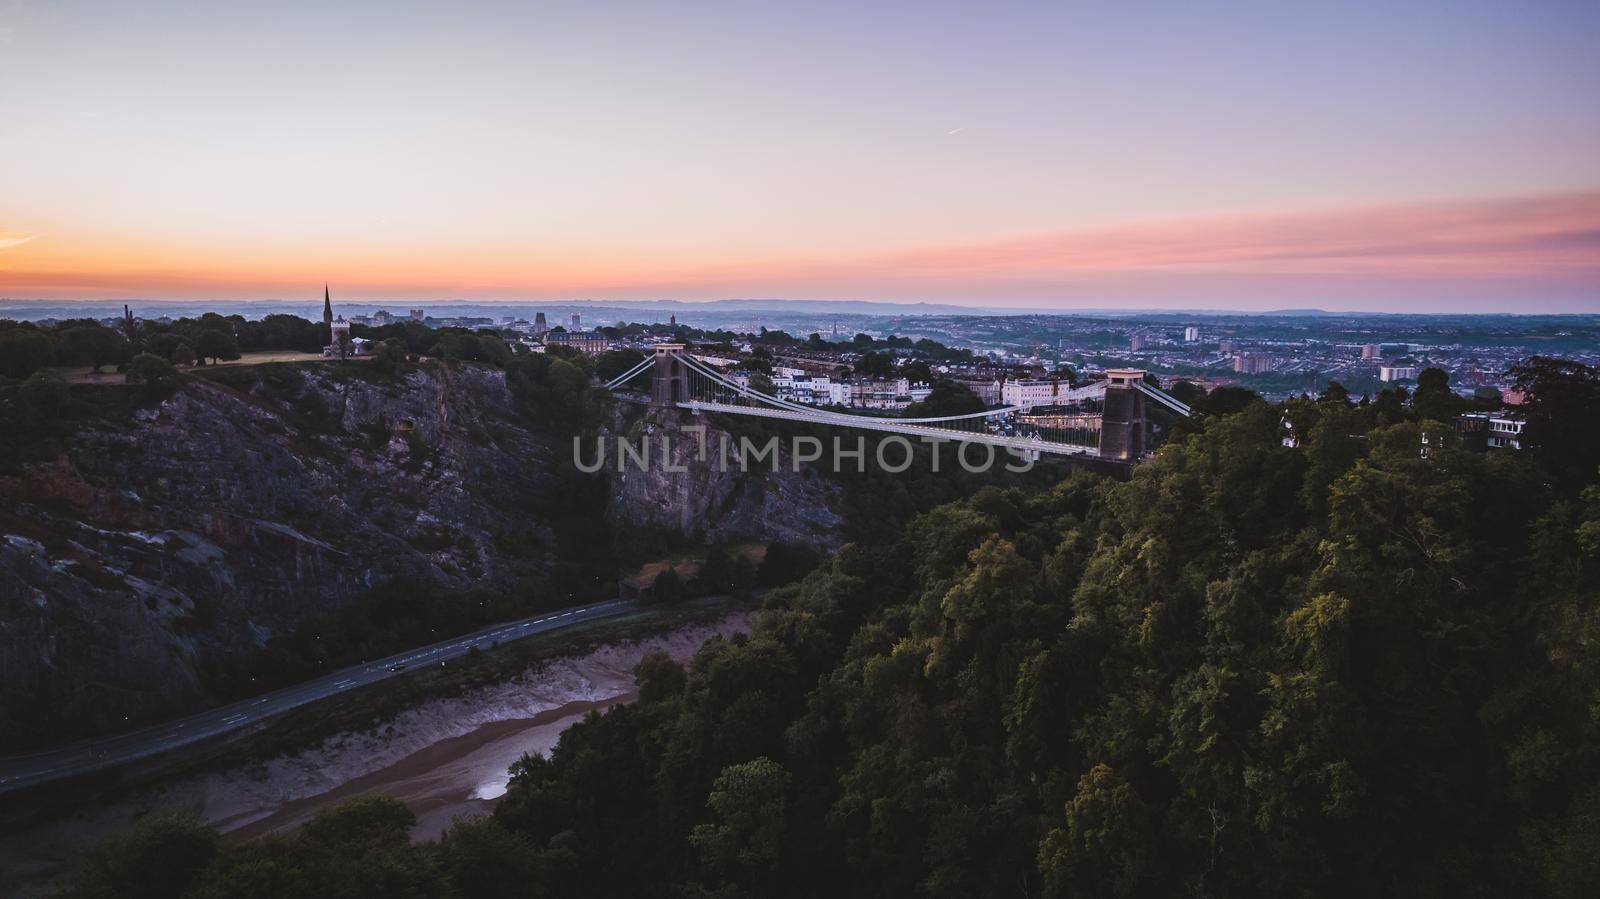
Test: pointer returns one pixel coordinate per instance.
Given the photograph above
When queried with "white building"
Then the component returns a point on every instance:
(1505, 431)
(1397, 372)
(822, 390)
(1029, 393)
(1191, 335)
(814, 390)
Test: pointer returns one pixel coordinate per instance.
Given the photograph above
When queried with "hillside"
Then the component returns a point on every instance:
(152, 547)
(1344, 668)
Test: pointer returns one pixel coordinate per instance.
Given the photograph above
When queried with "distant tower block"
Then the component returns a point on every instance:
(1191, 335)
(539, 323)
(577, 322)
(669, 384)
(1371, 351)
(1122, 422)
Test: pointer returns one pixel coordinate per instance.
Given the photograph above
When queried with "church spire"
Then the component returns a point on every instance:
(327, 306)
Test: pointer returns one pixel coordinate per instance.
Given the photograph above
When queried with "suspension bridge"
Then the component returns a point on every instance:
(1117, 431)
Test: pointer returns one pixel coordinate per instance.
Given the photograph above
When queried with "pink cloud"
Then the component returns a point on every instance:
(1486, 253)
(1498, 236)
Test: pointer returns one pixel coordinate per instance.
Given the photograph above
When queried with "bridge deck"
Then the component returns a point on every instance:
(1025, 444)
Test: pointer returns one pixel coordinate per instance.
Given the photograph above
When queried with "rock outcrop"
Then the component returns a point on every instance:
(686, 486)
(135, 553)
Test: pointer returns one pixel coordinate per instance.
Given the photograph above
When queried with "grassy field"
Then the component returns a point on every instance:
(82, 374)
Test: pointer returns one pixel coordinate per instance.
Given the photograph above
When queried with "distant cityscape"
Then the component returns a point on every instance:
(1277, 355)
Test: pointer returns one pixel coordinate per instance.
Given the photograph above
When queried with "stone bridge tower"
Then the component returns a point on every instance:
(669, 382)
(1122, 423)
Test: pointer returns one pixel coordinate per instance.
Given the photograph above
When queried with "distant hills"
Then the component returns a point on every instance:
(35, 309)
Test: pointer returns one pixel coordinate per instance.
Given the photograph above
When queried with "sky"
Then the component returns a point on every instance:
(1386, 156)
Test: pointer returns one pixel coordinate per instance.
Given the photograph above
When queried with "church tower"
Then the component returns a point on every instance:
(327, 307)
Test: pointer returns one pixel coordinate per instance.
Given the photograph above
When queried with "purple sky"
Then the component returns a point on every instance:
(1417, 156)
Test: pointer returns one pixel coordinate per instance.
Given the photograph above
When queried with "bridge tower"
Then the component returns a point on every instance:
(669, 382)
(1122, 423)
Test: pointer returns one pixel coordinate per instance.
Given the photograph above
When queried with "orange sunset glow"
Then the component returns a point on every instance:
(1011, 159)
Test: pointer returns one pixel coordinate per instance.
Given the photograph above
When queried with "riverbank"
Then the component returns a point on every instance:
(444, 756)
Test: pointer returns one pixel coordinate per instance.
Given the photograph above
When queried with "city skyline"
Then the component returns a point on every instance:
(1436, 158)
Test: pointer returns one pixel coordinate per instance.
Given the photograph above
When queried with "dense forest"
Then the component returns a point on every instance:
(1365, 664)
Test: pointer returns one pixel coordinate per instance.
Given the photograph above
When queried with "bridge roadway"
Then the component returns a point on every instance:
(17, 772)
(871, 423)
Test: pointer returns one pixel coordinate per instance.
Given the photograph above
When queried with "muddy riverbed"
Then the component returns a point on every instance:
(444, 758)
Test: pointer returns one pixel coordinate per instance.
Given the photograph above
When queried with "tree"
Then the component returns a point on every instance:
(749, 806)
(917, 372)
(1390, 406)
(1563, 429)
(390, 352)
(667, 587)
(658, 677)
(486, 860)
(874, 365)
(1227, 400)
(1187, 392)
(362, 848)
(716, 572)
(365, 819)
(25, 350)
(1108, 845)
(266, 868)
(42, 395)
(1433, 399)
(216, 346)
(946, 398)
(1336, 394)
(92, 345)
(612, 363)
(158, 859)
(155, 373)
(743, 577)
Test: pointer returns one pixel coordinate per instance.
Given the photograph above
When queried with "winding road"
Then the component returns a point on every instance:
(31, 769)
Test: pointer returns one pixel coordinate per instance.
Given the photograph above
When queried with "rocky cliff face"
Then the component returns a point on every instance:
(136, 551)
(683, 485)
(133, 552)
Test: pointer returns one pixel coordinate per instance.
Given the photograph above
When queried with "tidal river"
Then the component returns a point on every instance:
(443, 758)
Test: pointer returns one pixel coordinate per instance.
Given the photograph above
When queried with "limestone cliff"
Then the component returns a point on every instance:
(684, 487)
(137, 550)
